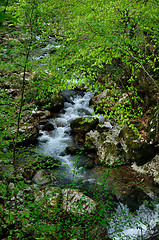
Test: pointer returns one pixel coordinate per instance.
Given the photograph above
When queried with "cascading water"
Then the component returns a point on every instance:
(56, 142)
(123, 224)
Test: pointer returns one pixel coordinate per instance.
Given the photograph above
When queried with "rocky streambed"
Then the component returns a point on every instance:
(99, 153)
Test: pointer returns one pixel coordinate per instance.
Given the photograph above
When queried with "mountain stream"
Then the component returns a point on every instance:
(72, 173)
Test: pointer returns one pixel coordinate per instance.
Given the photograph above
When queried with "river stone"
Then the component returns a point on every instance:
(150, 168)
(48, 127)
(42, 177)
(72, 150)
(77, 203)
(134, 197)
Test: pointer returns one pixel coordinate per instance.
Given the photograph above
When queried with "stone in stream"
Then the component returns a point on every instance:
(65, 95)
(48, 127)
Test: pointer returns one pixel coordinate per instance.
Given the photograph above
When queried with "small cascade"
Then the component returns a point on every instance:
(54, 144)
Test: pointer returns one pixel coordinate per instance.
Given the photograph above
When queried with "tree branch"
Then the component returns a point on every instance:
(153, 80)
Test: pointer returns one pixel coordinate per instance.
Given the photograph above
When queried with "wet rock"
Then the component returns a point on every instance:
(67, 96)
(77, 203)
(90, 164)
(136, 148)
(48, 127)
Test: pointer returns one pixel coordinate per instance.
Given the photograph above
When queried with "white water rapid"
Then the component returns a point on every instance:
(123, 224)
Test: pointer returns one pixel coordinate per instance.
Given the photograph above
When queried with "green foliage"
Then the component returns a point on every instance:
(103, 44)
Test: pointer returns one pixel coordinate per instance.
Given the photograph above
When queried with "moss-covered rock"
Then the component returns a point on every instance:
(84, 125)
(136, 148)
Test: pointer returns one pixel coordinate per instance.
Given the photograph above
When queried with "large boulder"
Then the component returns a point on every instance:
(108, 150)
(76, 203)
(136, 148)
(48, 127)
(92, 140)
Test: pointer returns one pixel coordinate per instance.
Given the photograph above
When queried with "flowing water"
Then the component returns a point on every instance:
(72, 173)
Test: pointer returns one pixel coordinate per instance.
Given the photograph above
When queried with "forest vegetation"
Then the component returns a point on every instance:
(99, 46)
